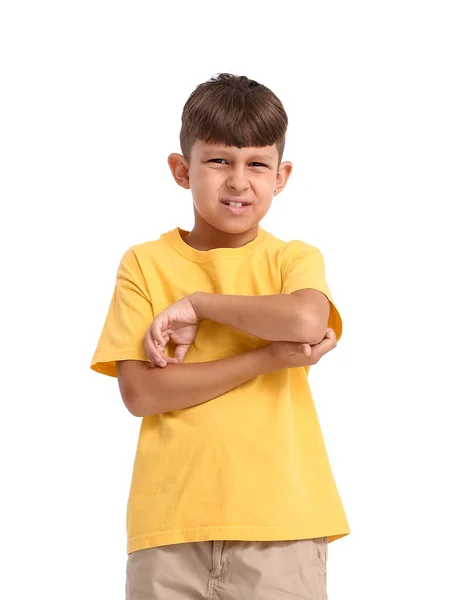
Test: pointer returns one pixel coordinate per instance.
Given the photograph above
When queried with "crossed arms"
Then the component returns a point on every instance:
(291, 322)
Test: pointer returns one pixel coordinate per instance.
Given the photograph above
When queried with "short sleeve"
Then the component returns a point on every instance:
(129, 315)
(303, 267)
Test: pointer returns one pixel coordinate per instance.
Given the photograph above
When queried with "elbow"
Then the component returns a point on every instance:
(143, 406)
(135, 409)
(132, 403)
(310, 330)
(137, 387)
(140, 406)
(134, 399)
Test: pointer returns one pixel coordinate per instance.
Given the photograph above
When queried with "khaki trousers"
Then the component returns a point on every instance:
(229, 570)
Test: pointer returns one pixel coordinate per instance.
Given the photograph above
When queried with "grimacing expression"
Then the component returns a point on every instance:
(220, 174)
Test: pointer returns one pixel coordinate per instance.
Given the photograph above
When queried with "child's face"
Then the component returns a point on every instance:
(217, 174)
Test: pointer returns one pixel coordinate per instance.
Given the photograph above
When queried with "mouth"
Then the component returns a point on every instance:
(236, 207)
(235, 203)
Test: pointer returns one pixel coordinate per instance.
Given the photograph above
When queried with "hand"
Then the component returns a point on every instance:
(179, 323)
(295, 354)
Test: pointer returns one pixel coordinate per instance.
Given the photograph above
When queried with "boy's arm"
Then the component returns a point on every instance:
(149, 390)
(297, 317)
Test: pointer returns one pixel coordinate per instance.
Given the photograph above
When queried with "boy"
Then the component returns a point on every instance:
(211, 334)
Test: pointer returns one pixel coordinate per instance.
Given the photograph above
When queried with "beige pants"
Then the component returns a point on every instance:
(234, 570)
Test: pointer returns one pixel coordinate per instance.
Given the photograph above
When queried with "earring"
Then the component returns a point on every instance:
(274, 191)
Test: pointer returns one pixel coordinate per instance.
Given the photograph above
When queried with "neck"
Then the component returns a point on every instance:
(206, 237)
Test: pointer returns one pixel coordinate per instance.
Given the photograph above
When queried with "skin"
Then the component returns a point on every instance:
(249, 173)
(213, 172)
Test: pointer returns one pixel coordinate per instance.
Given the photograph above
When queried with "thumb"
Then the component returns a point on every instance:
(180, 352)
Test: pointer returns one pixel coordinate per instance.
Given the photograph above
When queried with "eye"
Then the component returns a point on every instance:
(220, 159)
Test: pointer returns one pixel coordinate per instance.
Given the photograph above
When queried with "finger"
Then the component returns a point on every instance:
(165, 339)
(153, 351)
(331, 335)
(149, 347)
(169, 360)
(162, 357)
(324, 346)
(306, 349)
(157, 329)
(181, 351)
(157, 348)
(159, 358)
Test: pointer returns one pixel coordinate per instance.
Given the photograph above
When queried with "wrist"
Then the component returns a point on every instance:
(268, 359)
(198, 303)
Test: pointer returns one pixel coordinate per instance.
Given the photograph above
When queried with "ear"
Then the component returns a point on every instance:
(179, 167)
(283, 174)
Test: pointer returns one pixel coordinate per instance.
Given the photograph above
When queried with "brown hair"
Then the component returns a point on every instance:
(235, 111)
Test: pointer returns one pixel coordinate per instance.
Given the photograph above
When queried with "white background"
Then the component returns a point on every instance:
(91, 101)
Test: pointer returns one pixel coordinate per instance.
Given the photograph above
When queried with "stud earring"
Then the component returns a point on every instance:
(274, 191)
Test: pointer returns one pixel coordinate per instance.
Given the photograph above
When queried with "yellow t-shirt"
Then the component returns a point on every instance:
(250, 464)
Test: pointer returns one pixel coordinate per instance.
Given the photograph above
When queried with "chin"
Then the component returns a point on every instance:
(233, 228)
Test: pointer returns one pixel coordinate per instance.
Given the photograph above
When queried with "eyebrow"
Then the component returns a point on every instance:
(216, 152)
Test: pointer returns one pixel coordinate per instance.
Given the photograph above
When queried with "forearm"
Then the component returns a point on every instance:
(175, 387)
(278, 317)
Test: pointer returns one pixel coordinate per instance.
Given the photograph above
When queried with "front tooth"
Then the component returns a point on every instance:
(235, 204)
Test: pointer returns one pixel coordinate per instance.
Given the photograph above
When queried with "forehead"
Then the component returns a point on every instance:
(265, 152)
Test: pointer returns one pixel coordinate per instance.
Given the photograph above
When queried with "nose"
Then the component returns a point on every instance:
(237, 179)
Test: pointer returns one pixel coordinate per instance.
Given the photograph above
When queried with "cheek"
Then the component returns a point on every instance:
(265, 205)
(208, 182)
